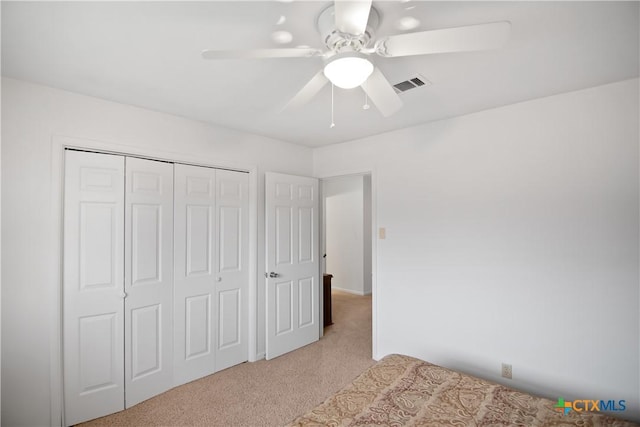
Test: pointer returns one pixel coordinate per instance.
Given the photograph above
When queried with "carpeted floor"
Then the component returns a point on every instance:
(267, 393)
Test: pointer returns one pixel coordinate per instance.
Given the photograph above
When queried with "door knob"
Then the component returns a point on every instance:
(219, 279)
(272, 275)
(123, 295)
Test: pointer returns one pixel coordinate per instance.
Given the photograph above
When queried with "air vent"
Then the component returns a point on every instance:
(411, 83)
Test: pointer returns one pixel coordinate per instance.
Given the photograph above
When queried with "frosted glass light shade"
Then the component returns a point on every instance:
(348, 72)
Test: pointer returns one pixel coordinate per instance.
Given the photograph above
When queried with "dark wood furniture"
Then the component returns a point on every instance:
(326, 295)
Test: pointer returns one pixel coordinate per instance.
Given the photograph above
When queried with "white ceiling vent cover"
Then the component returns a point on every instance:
(411, 83)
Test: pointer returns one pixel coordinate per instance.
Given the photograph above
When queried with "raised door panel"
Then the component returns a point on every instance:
(98, 357)
(306, 242)
(198, 325)
(148, 279)
(307, 295)
(146, 244)
(232, 267)
(146, 341)
(283, 235)
(98, 228)
(93, 316)
(284, 307)
(229, 325)
(198, 239)
(195, 272)
(230, 254)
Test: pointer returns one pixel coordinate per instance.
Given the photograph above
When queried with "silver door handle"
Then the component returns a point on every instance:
(271, 275)
(123, 295)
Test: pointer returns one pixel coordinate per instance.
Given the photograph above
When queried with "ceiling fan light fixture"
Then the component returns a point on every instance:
(349, 70)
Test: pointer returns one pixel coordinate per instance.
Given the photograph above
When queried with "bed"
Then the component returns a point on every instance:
(401, 390)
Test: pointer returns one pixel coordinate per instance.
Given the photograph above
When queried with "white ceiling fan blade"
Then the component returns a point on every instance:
(261, 53)
(460, 39)
(352, 15)
(382, 94)
(309, 90)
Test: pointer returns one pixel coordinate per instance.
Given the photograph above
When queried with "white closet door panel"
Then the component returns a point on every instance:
(148, 279)
(232, 205)
(194, 258)
(93, 285)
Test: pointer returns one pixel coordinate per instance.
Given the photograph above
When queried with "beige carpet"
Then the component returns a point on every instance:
(267, 393)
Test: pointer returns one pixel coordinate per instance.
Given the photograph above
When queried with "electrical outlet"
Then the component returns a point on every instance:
(506, 370)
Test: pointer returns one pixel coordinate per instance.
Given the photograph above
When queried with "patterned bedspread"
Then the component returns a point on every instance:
(403, 391)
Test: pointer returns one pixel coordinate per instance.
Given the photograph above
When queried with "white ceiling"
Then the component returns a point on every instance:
(148, 54)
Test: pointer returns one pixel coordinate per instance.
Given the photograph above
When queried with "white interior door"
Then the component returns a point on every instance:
(232, 281)
(93, 316)
(148, 279)
(292, 262)
(195, 272)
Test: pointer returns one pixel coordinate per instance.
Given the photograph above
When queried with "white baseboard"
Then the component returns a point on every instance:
(350, 291)
(260, 356)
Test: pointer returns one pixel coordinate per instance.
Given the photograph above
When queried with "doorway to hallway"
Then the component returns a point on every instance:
(346, 232)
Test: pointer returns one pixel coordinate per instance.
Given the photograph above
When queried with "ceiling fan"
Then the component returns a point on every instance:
(347, 29)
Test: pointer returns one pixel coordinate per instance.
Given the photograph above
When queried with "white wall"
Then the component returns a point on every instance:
(344, 226)
(0, 263)
(512, 235)
(33, 117)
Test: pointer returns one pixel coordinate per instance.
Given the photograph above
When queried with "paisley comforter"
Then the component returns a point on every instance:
(403, 391)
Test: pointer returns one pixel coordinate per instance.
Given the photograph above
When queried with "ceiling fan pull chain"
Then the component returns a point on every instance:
(332, 125)
(366, 105)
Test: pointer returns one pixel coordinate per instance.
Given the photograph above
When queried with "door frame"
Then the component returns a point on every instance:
(374, 246)
(59, 143)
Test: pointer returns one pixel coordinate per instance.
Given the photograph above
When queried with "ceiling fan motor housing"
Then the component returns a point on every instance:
(338, 41)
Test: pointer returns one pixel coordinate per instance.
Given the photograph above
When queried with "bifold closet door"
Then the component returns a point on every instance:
(232, 219)
(211, 271)
(148, 258)
(195, 275)
(155, 278)
(93, 298)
